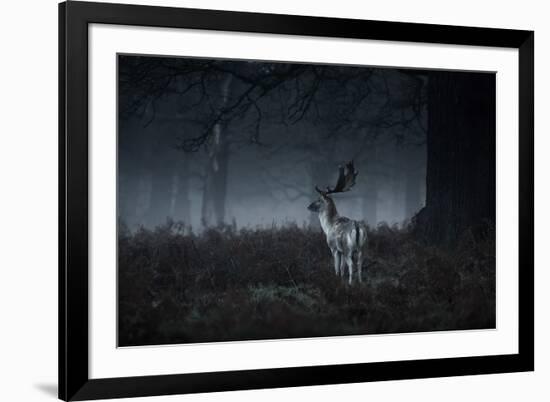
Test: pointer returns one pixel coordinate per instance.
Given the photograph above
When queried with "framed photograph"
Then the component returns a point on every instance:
(255, 200)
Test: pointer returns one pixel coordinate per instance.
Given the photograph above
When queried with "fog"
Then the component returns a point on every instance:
(187, 154)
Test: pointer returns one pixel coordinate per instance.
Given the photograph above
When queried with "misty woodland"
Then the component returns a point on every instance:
(262, 200)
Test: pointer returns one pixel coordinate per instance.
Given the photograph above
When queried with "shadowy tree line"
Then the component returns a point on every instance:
(224, 105)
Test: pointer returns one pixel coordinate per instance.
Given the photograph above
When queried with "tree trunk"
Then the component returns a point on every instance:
(215, 184)
(182, 203)
(396, 194)
(158, 172)
(142, 202)
(413, 193)
(460, 177)
(370, 207)
(161, 192)
(415, 178)
(370, 199)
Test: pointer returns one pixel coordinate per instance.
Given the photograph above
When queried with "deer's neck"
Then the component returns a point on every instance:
(328, 217)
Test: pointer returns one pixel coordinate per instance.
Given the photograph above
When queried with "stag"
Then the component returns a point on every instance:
(346, 238)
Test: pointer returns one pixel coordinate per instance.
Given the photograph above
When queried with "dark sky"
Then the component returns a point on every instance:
(256, 137)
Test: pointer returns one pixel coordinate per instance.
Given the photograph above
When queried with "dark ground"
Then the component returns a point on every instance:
(228, 284)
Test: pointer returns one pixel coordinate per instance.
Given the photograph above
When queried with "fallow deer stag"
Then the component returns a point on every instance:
(346, 238)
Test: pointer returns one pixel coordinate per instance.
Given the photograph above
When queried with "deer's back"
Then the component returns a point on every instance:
(346, 235)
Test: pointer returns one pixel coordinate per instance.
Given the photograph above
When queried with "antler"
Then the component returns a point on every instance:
(346, 180)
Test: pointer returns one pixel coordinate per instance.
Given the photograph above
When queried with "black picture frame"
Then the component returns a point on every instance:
(74, 381)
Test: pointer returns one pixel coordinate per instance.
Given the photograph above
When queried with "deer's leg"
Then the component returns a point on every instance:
(337, 261)
(349, 261)
(359, 265)
(342, 265)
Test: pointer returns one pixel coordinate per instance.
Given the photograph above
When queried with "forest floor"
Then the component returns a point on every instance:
(227, 284)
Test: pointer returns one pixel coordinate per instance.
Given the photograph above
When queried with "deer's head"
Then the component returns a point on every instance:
(346, 180)
(323, 203)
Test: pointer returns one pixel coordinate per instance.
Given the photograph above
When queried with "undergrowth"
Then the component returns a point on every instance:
(227, 284)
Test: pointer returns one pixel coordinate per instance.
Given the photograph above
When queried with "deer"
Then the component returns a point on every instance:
(345, 237)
